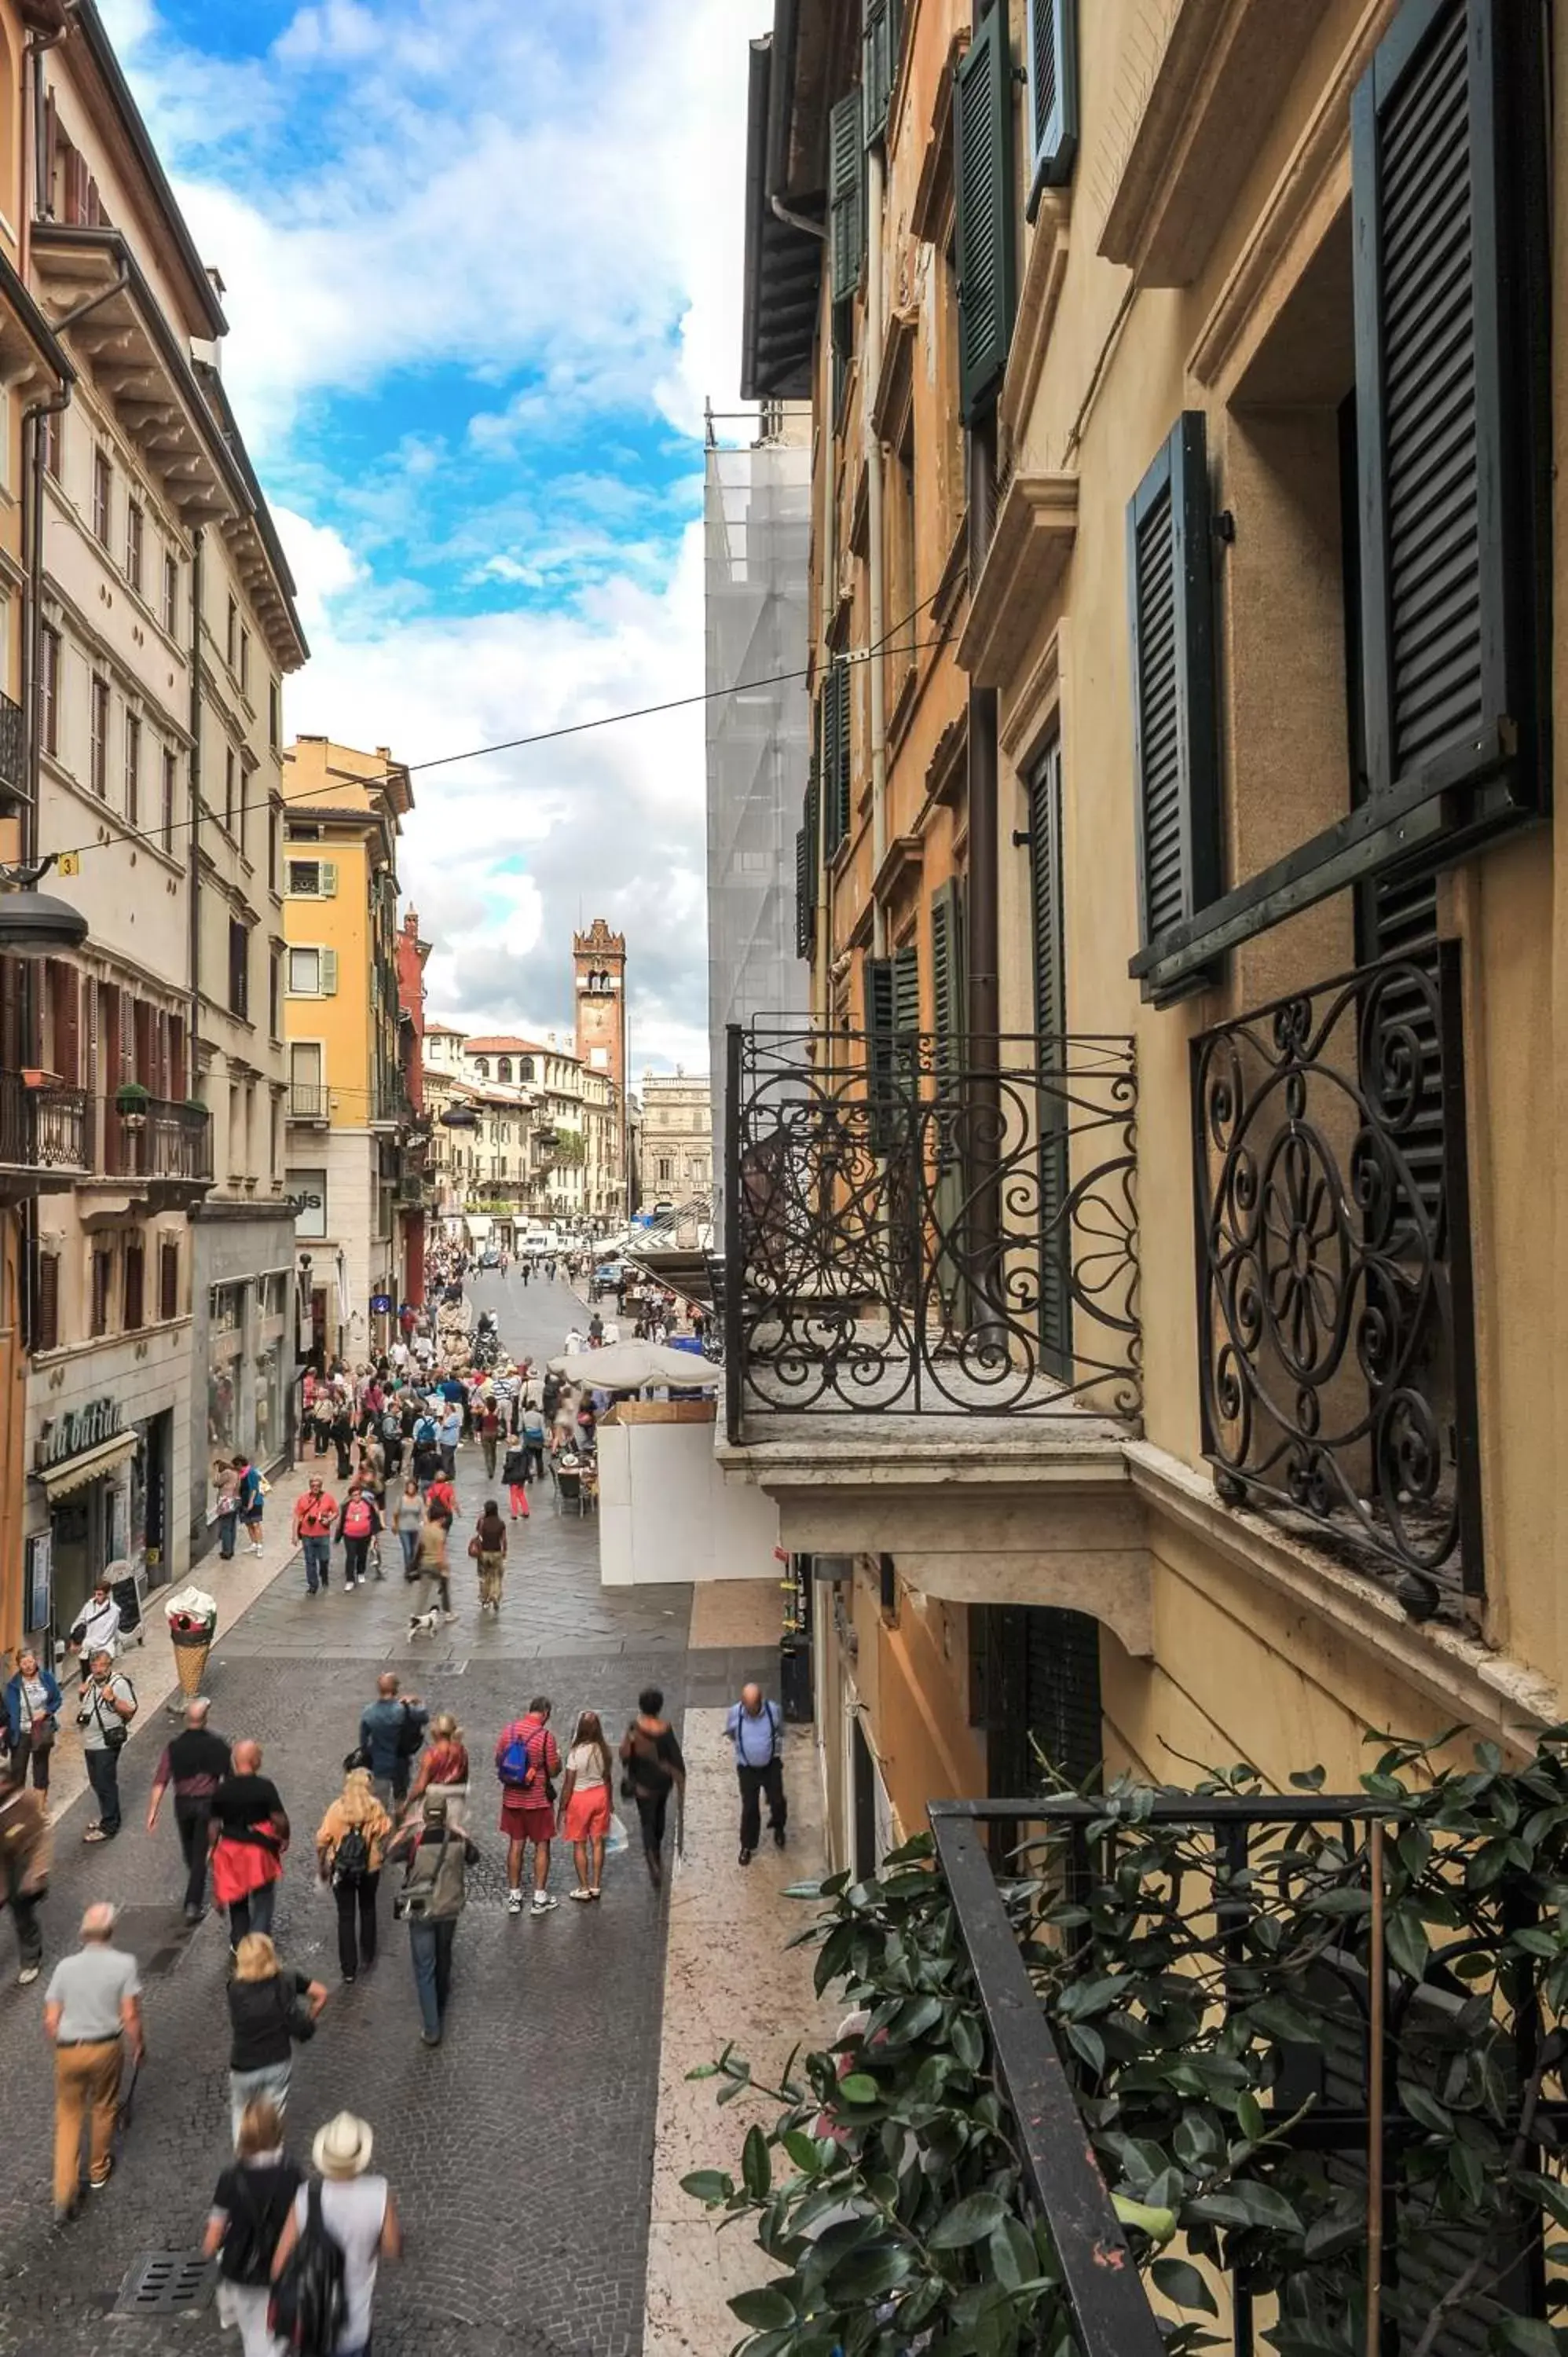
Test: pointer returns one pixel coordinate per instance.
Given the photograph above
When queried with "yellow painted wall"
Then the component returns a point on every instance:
(343, 1023)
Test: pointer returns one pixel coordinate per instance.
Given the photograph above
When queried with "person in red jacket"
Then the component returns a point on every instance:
(315, 1512)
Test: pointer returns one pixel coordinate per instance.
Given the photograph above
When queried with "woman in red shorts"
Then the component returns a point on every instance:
(586, 1802)
(527, 1757)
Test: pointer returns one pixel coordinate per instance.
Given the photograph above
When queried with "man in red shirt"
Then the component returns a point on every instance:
(527, 1761)
(315, 1512)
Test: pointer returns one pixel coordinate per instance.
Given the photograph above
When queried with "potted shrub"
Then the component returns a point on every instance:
(131, 1103)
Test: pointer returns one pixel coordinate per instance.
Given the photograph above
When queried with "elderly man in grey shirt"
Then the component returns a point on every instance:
(92, 2007)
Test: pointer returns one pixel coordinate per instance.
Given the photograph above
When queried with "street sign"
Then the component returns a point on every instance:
(380, 1304)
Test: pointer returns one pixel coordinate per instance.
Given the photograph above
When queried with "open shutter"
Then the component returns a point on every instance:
(1053, 94)
(879, 63)
(983, 122)
(879, 1030)
(1046, 901)
(846, 196)
(835, 766)
(328, 973)
(327, 874)
(806, 843)
(1175, 735)
(1443, 367)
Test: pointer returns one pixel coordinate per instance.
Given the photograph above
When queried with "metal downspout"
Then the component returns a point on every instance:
(194, 870)
(876, 585)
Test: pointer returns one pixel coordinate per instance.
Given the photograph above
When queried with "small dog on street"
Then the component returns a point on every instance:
(424, 1624)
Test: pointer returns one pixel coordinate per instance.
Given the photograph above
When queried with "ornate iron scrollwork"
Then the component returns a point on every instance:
(912, 1234)
(1336, 1350)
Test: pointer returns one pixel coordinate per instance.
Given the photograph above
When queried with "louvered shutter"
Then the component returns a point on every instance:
(328, 973)
(1061, 1695)
(906, 994)
(983, 124)
(169, 1281)
(1053, 94)
(1175, 735)
(836, 751)
(846, 196)
(1441, 360)
(326, 879)
(46, 1322)
(1047, 903)
(879, 61)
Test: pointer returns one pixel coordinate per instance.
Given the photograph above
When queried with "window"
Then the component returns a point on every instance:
(503, 1069)
(136, 1264)
(666, 1170)
(132, 768)
(482, 1066)
(1053, 95)
(312, 973)
(312, 879)
(834, 721)
(230, 797)
(525, 1067)
(102, 1281)
(275, 714)
(231, 633)
(169, 1281)
(136, 523)
(46, 1319)
(53, 440)
(983, 120)
(275, 839)
(49, 689)
(239, 968)
(244, 659)
(103, 495)
(171, 764)
(274, 992)
(171, 592)
(98, 771)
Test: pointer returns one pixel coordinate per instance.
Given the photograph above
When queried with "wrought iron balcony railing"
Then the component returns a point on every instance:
(307, 1101)
(12, 748)
(911, 1230)
(1336, 1348)
(43, 1129)
(158, 1141)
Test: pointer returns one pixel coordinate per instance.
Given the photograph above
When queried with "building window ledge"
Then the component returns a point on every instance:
(1210, 102)
(1036, 525)
(1044, 274)
(1465, 1679)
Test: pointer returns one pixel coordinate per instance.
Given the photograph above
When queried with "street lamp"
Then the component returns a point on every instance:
(34, 924)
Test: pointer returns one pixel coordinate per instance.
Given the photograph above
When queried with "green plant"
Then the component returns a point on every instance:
(1208, 2000)
(132, 1097)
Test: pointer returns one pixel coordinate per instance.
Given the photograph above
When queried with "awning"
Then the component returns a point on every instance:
(76, 1473)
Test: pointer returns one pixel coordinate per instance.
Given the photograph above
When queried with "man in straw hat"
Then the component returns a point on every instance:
(358, 2211)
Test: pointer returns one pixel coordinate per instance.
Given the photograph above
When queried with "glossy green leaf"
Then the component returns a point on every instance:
(708, 2185)
(1184, 2285)
(756, 2165)
(969, 2221)
(763, 2308)
(860, 2087)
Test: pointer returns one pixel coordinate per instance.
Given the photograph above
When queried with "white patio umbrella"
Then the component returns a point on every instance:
(628, 1366)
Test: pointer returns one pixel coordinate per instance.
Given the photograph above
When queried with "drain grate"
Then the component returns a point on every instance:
(163, 2282)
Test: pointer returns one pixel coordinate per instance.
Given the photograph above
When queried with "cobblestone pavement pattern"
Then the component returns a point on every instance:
(519, 2150)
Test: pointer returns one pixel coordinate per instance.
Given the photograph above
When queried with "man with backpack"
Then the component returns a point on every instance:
(391, 1439)
(755, 1727)
(527, 1758)
(392, 1729)
(438, 1855)
(324, 2270)
(358, 1524)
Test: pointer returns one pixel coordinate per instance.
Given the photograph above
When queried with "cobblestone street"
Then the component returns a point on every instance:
(520, 2149)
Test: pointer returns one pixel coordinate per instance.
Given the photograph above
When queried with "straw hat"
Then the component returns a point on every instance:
(342, 2148)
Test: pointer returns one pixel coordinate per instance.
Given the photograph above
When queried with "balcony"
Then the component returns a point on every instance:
(11, 749)
(912, 1234)
(1337, 1361)
(45, 1138)
(164, 1146)
(308, 1102)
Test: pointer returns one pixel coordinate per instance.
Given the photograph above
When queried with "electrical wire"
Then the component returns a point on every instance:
(158, 835)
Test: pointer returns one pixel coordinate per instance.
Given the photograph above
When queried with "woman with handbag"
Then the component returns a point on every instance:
(271, 2010)
(32, 1713)
(487, 1547)
(251, 2207)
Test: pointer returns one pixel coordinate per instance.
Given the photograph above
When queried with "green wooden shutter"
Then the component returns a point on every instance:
(806, 854)
(828, 761)
(947, 966)
(1170, 587)
(1047, 902)
(950, 1194)
(328, 972)
(906, 992)
(982, 120)
(879, 63)
(838, 749)
(846, 196)
(1442, 366)
(1053, 94)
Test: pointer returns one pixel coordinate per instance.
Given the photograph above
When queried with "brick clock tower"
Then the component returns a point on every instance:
(598, 963)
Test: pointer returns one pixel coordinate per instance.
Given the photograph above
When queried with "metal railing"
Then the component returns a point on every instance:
(1337, 1345)
(13, 748)
(307, 1101)
(156, 1140)
(44, 1128)
(1268, 1913)
(911, 1228)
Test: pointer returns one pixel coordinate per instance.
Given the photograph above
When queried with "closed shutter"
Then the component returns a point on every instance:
(878, 65)
(134, 1270)
(169, 1281)
(804, 928)
(880, 1027)
(65, 992)
(328, 872)
(950, 1025)
(1053, 94)
(1062, 1706)
(1047, 902)
(1439, 364)
(905, 994)
(1175, 735)
(983, 124)
(46, 1320)
(846, 197)
(835, 742)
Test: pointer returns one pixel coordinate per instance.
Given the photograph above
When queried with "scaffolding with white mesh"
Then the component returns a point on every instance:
(756, 514)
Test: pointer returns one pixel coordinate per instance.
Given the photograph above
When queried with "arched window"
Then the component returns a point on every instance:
(503, 1069)
(525, 1067)
(482, 1066)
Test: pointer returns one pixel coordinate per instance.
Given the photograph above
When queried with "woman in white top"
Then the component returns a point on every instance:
(586, 1802)
(357, 2211)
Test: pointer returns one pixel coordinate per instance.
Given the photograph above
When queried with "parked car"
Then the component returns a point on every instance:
(489, 1257)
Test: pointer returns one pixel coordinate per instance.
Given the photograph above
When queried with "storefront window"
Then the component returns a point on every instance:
(269, 1404)
(223, 1404)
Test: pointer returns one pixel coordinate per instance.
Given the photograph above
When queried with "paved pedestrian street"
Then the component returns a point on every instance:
(519, 2150)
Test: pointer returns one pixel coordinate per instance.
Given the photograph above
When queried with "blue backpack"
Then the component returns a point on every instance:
(519, 1768)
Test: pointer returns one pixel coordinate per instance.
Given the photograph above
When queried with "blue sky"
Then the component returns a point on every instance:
(482, 268)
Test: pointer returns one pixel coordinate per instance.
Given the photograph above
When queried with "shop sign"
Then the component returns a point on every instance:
(40, 1580)
(77, 1431)
(308, 1188)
